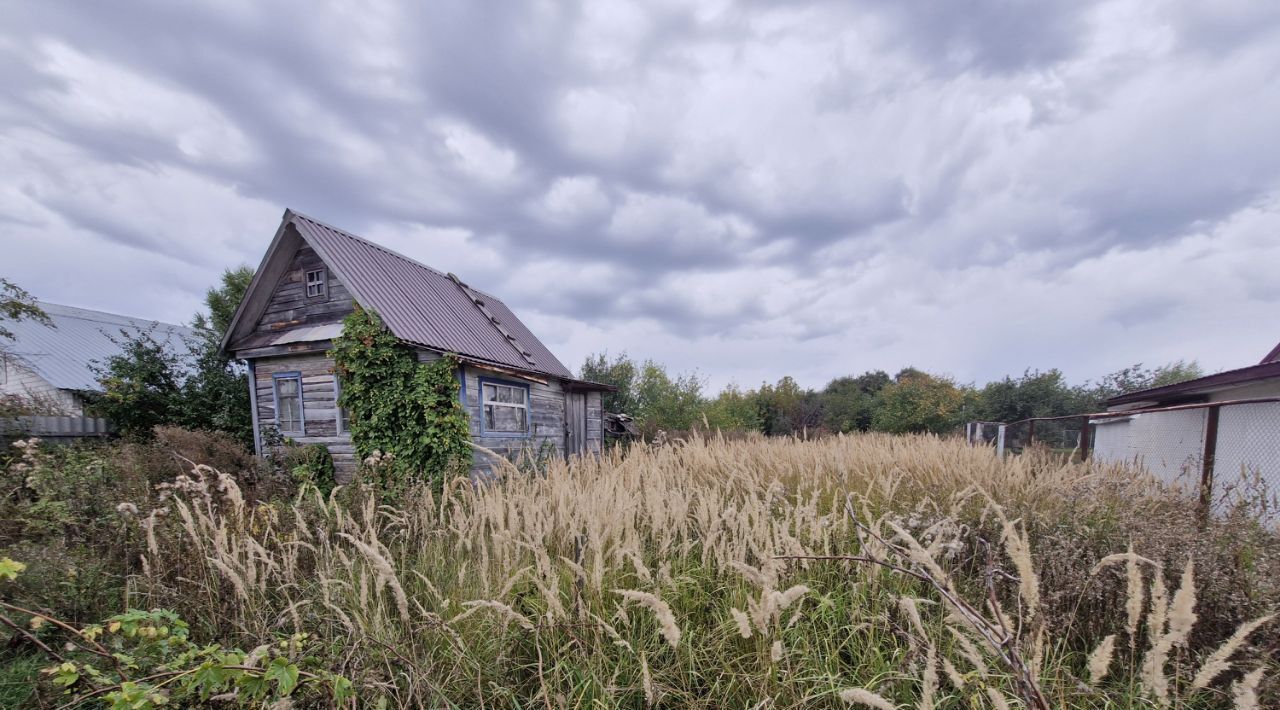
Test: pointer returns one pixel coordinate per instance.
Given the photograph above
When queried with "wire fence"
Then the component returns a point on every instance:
(1225, 453)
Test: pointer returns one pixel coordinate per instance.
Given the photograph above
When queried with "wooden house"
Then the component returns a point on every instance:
(517, 395)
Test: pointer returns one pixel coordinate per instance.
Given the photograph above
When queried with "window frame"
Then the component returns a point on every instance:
(527, 406)
(339, 414)
(302, 409)
(322, 284)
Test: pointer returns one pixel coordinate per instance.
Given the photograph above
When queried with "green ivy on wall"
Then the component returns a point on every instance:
(404, 414)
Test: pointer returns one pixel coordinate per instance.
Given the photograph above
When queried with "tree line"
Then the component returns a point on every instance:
(148, 384)
(910, 401)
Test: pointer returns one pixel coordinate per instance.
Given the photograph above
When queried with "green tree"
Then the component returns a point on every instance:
(786, 408)
(1137, 377)
(141, 385)
(849, 403)
(622, 373)
(223, 300)
(17, 305)
(732, 410)
(919, 402)
(666, 403)
(1035, 394)
(217, 392)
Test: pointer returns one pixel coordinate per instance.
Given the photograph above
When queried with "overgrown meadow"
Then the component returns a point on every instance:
(872, 570)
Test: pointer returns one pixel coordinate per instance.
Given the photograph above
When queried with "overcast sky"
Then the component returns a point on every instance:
(747, 189)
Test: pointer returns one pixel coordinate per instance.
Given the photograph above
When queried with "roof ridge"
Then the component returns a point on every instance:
(383, 249)
(133, 320)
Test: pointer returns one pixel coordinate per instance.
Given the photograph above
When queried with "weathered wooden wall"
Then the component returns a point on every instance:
(595, 422)
(546, 417)
(289, 307)
(319, 405)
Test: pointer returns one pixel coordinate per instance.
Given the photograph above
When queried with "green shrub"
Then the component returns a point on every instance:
(312, 465)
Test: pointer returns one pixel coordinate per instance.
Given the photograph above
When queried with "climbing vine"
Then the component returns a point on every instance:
(403, 415)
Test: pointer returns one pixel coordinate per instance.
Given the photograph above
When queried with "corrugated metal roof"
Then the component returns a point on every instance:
(63, 354)
(427, 307)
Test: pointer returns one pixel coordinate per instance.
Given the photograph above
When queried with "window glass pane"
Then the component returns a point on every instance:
(504, 419)
(289, 404)
(490, 393)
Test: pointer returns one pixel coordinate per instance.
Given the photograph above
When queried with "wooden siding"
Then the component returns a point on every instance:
(290, 309)
(319, 406)
(546, 404)
(546, 421)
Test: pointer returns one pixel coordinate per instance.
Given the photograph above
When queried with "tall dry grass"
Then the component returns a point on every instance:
(690, 575)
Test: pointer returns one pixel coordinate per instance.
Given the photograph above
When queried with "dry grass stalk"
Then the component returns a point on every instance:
(666, 620)
(1245, 690)
(493, 605)
(743, 622)
(1220, 661)
(1100, 659)
(861, 696)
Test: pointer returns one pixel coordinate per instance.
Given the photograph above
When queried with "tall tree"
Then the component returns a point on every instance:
(1035, 394)
(919, 402)
(849, 403)
(620, 372)
(786, 408)
(732, 410)
(663, 402)
(217, 390)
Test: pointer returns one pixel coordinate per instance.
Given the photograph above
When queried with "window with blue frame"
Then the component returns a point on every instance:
(290, 418)
(504, 408)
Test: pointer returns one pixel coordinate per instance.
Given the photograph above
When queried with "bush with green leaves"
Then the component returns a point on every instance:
(142, 659)
(398, 407)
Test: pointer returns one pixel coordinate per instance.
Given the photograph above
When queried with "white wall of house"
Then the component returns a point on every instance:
(1265, 388)
(1169, 444)
(19, 380)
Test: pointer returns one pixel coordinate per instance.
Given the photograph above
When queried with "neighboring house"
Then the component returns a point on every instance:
(517, 395)
(53, 366)
(1172, 444)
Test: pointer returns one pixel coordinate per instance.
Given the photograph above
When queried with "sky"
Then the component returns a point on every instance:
(745, 189)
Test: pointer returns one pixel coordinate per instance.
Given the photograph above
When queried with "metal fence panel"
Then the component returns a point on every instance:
(1247, 457)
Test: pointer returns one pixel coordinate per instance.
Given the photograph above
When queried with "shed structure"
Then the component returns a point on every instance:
(53, 365)
(518, 397)
(1241, 439)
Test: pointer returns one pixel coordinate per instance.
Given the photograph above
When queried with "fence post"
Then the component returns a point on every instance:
(1031, 433)
(1206, 463)
(1000, 441)
(1084, 439)
(968, 433)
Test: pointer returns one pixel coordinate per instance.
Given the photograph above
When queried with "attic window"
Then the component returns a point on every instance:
(315, 283)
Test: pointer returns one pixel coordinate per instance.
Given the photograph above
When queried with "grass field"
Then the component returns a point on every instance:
(692, 575)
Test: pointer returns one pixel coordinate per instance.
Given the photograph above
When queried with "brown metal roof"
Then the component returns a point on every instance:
(1201, 385)
(424, 306)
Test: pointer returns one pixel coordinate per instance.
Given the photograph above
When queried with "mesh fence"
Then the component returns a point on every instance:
(1242, 439)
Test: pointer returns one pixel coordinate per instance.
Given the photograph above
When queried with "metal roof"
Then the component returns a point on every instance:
(426, 307)
(1201, 385)
(63, 354)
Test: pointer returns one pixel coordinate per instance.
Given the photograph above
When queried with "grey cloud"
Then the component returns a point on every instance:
(965, 134)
